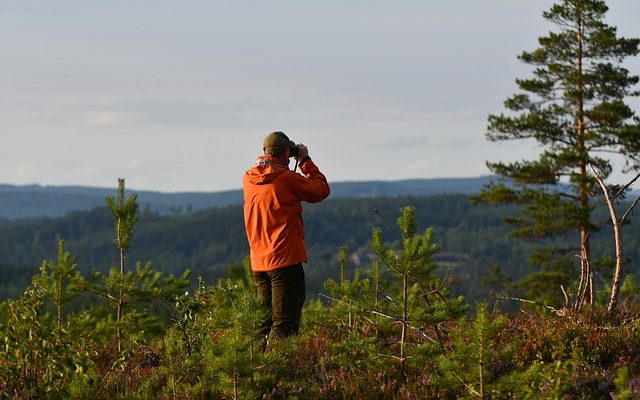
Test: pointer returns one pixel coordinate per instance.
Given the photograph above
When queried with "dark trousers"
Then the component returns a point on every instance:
(282, 291)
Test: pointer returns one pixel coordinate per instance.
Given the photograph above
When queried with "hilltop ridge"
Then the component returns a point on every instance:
(54, 201)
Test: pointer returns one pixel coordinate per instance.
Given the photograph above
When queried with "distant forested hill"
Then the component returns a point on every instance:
(55, 201)
(211, 242)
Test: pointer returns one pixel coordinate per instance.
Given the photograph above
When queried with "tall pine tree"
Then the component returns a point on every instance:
(574, 107)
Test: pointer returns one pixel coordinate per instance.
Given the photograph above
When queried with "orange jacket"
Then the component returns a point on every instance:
(273, 213)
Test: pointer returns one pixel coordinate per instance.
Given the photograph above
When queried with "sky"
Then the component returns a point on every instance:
(177, 96)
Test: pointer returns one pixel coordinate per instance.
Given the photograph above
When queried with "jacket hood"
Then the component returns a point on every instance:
(266, 169)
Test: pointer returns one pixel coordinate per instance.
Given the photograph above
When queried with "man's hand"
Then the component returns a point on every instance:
(302, 151)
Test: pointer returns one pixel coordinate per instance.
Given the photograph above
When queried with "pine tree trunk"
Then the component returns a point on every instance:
(120, 300)
(583, 190)
(405, 300)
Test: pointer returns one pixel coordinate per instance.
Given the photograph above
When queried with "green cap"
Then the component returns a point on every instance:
(278, 139)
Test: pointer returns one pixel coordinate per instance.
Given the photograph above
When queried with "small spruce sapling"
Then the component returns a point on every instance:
(473, 349)
(123, 288)
(59, 281)
(353, 298)
(234, 357)
(424, 299)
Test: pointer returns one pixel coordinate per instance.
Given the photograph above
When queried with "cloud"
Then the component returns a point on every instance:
(395, 142)
(135, 163)
(104, 118)
(25, 170)
(422, 166)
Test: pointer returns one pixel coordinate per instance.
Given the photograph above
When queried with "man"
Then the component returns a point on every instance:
(273, 222)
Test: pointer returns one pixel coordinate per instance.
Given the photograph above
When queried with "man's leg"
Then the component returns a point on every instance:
(263, 286)
(288, 295)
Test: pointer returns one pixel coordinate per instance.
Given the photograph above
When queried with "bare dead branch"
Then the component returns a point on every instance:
(629, 211)
(566, 296)
(615, 284)
(530, 302)
(625, 187)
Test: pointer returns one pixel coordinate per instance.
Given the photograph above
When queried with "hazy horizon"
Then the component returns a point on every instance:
(133, 189)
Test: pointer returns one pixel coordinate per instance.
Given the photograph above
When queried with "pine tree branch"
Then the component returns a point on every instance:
(469, 388)
(107, 295)
(569, 196)
(629, 210)
(529, 301)
(625, 187)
